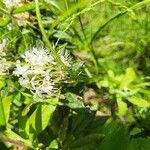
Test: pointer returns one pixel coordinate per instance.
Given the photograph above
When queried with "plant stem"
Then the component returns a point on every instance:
(80, 21)
(90, 48)
(49, 45)
(66, 3)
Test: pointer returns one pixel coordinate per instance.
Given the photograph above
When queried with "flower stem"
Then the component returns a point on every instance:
(49, 45)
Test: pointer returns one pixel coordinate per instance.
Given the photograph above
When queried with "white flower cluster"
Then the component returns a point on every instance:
(65, 59)
(38, 57)
(39, 71)
(11, 3)
(4, 66)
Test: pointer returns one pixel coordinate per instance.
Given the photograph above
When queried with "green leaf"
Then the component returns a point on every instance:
(128, 78)
(135, 131)
(53, 145)
(24, 8)
(116, 137)
(2, 82)
(53, 3)
(111, 74)
(104, 83)
(2, 116)
(2, 4)
(138, 101)
(39, 119)
(132, 14)
(122, 107)
(4, 21)
(17, 100)
(73, 102)
(16, 138)
(80, 122)
(144, 91)
(6, 105)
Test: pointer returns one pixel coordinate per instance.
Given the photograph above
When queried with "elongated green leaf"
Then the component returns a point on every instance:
(2, 116)
(24, 8)
(17, 139)
(2, 82)
(144, 91)
(6, 105)
(53, 3)
(122, 107)
(139, 101)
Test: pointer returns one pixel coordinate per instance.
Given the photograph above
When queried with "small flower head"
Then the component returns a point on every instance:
(4, 65)
(64, 56)
(37, 56)
(39, 71)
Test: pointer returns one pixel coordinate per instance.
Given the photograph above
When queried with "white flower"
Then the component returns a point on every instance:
(65, 60)
(4, 65)
(43, 86)
(47, 86)
(21, 70)
(47, 78)
(37, 57)
(64, 56)
(11, 3)
(9, 26)
(24, 81)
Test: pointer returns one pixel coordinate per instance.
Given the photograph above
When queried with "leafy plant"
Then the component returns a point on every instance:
(74, 75)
